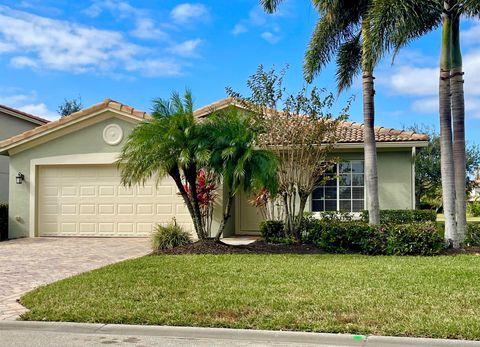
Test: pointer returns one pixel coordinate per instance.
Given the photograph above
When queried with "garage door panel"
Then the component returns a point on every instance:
(90, 201)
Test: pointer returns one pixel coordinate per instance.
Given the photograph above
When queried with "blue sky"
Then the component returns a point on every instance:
(134, 51)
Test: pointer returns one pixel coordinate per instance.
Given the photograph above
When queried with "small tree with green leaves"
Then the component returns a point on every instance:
(301, 130)
(69, 106)
(428, 180)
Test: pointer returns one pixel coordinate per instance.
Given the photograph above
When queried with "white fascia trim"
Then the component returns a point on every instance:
(79, 120)
(74, 159)
(398, 144)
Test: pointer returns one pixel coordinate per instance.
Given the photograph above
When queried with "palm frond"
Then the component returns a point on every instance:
(349, 58)
(394, 24)
(270, 5)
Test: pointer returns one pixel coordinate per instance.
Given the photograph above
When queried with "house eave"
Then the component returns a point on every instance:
(390, 144)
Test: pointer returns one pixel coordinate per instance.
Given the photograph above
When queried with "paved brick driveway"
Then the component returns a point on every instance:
(29, 263)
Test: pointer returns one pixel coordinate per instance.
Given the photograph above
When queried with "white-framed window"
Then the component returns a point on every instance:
(344, 189)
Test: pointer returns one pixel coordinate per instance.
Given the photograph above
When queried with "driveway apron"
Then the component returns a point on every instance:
(31, 262)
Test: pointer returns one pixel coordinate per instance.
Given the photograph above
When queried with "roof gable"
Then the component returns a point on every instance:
(74, 118)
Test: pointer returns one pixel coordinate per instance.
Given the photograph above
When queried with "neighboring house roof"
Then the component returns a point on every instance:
(349, 132)
(23, 115)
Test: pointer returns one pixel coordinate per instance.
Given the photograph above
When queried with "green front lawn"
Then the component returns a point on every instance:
(413, 296)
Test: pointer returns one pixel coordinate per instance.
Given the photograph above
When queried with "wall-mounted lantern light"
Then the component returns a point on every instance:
(20, 178)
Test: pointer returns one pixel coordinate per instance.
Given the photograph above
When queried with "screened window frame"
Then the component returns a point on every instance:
(337, 185)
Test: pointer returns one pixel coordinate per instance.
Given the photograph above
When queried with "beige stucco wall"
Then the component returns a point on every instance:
(395, 183)
(83, 141)
(394, 167)
(9, 126)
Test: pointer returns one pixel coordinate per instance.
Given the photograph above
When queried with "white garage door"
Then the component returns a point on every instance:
(88, 200)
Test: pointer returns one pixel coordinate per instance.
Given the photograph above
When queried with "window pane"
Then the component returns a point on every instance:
(345, 205)
(317, 205)
(357, 193)
(345, 180)
(330, 193)
(357, 205)
(317, 193)
(330, 205)
(357, 166)
(344, 167)
(357, 180)
(345, 193)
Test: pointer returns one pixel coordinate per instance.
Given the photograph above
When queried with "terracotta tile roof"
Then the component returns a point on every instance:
(10, 110)
(349, 132)
(105, 104)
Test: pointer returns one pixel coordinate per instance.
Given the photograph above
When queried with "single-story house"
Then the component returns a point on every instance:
(13, 122)
(70, 185)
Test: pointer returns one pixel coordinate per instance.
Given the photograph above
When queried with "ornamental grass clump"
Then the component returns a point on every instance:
(170, 236)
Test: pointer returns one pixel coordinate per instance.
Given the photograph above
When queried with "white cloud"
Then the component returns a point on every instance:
(270, 37)
(422, 84)
(145, 26)
(186, 12)
(146, 29)
(265, 23)
(425, 105)
(52, 44)
(409, 80)
(186, 48)
(39, 109)
(26, 102)
(471, 35)
(22, 61)
(239, 29)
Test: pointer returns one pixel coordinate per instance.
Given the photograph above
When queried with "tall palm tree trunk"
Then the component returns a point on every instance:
(458, 111)
(446, 146)
(370, 147)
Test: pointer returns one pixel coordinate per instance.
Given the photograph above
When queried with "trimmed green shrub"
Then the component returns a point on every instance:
(474, 208)
(387, 239)
(403, 216)
(342, 237)
(273, 231)
(472, 238)
(170, 236)
(414, 239)
(3, 221)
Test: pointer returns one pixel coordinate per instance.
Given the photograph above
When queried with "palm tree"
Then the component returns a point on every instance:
(230, 139)
(344, 30)
(167, 145)
(407, 20)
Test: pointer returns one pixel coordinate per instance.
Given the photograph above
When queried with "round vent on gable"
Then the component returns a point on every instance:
(112, 134)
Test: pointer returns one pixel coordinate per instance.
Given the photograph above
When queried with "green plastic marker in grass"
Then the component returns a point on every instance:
(358, 337)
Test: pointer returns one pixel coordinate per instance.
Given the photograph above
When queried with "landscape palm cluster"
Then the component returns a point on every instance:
(174, 143)
(359, 34)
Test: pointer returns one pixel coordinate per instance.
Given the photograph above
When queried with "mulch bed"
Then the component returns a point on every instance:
(209, 246)
(258, 247)
(466, 250)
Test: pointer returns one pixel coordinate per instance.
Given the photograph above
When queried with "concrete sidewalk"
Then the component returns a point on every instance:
(16, 333)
